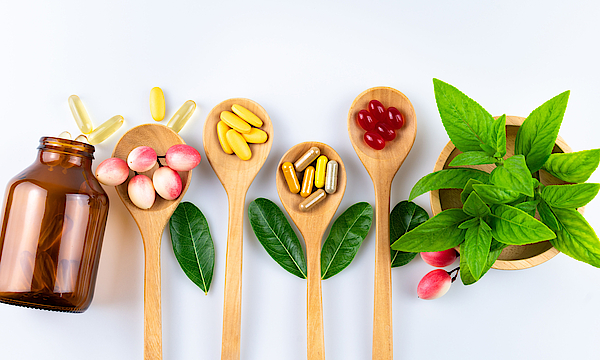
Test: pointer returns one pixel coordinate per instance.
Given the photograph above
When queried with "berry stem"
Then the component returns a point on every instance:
(455, 275)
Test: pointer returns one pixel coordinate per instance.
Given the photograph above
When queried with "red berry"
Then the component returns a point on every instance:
(440, 258)
(374, 140)
(395, 118)
(112, 171)
(365, 120)
(385, 130)
(377, 110)
(435, 284)
(182, 157)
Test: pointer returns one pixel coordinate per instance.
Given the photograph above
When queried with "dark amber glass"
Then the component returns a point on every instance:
(52, 229)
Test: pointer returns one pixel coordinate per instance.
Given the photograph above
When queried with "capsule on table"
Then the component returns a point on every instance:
(320, 171)
(235, 122)
(222, 129)
(331, 178)
(84, 123)
(82, 138)
(290, 177)
(65, 135)
(255, 136)
(307, 158)
(307, 181)
(182, 116)
(105, 130)
(313, 200)
(238, 144)
(246, 115)
(157, 104)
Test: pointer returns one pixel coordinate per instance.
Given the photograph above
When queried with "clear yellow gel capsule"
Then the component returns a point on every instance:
(238, 144)
(157, 104)
(307, 181)
(320, 171)
(246, 115)
(290, 177)
(307, 158)
(313, 200)
(82, 138)
(105, 130)
(255, 136)
(65, 135)
(235, 122)
(331, 178)
(80, 114)
(222, 129)
(182, 116)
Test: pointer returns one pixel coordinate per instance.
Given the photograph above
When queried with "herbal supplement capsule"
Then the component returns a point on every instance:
(157, 104)
(222, 129)
(307, 158)
(320, 171)
(312, 200)
(82, 138)
(235, 122)
(331, 178)
(105, 130)
(238, 144)
(255, 136)
(246, 115)
(290, 177)
(80, 114)
(65, 135)
(182, 116)
(307, 181)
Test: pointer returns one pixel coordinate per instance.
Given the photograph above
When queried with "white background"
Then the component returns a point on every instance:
(304, 62)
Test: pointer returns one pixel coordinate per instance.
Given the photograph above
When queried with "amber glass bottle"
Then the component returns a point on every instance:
(52, 229)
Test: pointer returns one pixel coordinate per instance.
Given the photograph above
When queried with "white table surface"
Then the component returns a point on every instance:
(304, 62)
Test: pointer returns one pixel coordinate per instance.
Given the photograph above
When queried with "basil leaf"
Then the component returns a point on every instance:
(528, 206)
(447, 179)
(547, 216)
(515, 227)
(468, 189)
(575, 167)
(465, 272)
(345, 237)
(537, 136)
(570, 196)
(466, 122)
(276, 235)
(474, 206)
(476, 247)
(472, 158)
(192, 244)
(405, 216)
(514, 175)
(469, 223)
(439, 233)
(499, 129)
(493, 194)
(576, 237)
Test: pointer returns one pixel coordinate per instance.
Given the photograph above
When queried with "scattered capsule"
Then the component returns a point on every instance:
(235, 122)
(82, 138)
(320, 171)
(182, 116)
(255, 136)
(80, 114)
(246, 115)
(331, 178)
(307, 181)
(105, 130)
(307, 158)
(157, 104)
(312, 200)
(290, 177)
(238, 144)
(222, 129)
(65, 135)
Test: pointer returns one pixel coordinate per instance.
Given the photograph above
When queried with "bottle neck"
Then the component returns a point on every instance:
(54, 151)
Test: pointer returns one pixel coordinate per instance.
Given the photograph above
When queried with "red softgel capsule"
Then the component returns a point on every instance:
(374, 140)
(365, 120)
(377, 110)
(385, 130)
(395, 118)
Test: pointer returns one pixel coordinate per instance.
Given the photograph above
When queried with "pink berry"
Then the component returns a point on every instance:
(167, 183)
(435, 284)
(142, 158)
(112, 172)
(440, 258)
(141, 192)
(182, 157)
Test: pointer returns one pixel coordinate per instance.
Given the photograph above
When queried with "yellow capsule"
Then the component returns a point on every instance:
(238, 144)
(80, 114)
(255, 136)
(331, 178)
(246, 115)
(320, 171)
(105, 130)
(307, 181)
(222, 129)
(157, 104)
(65, 135)
(235, 122)
(290, 177)
(82, 138)
(312, 200)
(307, 158)
(182, 116)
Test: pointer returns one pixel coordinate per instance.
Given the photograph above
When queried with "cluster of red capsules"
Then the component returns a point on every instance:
(380, 124)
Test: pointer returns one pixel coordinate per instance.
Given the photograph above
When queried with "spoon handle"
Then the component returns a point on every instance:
(152, 288)
(315, 341)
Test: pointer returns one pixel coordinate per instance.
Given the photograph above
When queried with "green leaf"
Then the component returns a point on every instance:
(405, 216)
(547, 216)
(499, 133)
(345, 237)
(472, 158)
(476, 247)
(576, 237)
(465, 272)
(575, 167)
(472, 222)
(276, 235)
(513, 175)
(474, 206)
(528, 206)
(192, 244)
(468, 189)
(515, 227)
(447, 179)
(570, 196)
(537, 136)
(467, 123)
(493, 194)
(439, 233)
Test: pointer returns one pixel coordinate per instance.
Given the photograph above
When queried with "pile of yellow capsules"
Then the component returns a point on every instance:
(235, 131)
(90, 134)
(323, 176)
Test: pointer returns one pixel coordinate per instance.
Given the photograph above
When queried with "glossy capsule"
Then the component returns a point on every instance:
(235, 122)
(290, 177)
(84, 123)
(321, 171)
(331, 178)
(82, 138)
(377, 110)
(238, 144)
(385, 130)
(395, 118)
(307, 158)
(255, 136)
(157, 104)
(374, 140)
(313, 200)
(182, 116)
(105, 130)
(222, 129)
(365, 120)
(246, 115)
(307, 181)
(65, 135)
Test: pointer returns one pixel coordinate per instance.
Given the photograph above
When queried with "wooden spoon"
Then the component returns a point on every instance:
(236, 176)
(382, 166)
(312, 224)
(151, 223)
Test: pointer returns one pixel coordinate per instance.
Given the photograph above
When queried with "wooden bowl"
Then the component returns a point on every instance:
(514, 257)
